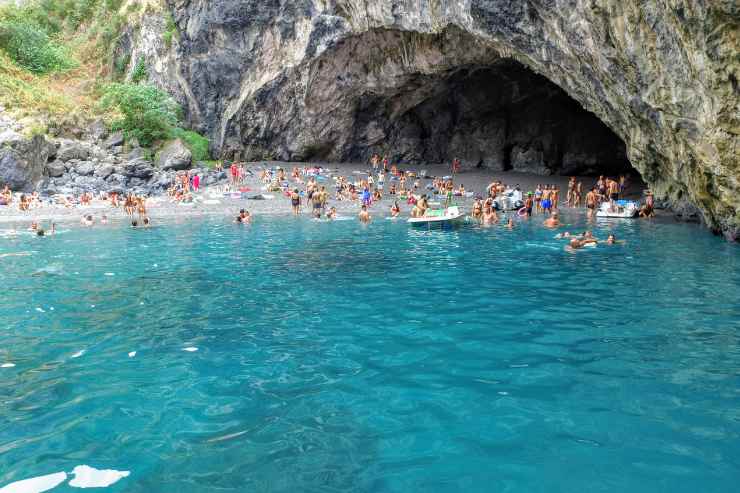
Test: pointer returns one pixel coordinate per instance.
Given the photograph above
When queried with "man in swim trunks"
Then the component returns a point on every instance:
(546, 203)
(316, 199)
(592, 199)
(613, 190)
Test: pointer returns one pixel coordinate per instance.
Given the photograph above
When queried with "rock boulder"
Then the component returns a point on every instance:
(174, 156)
(72, 149)
(23, 160)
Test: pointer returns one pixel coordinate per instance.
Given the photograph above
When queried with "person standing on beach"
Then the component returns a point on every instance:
(196, 182)
(375, 161)
(538, 198)
(141, 203)
(546, 204)
(570, 198)
(234, 172)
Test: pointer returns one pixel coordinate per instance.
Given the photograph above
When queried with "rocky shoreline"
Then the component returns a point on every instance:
(98, 163)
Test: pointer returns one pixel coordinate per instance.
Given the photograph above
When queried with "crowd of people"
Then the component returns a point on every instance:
(315, 188)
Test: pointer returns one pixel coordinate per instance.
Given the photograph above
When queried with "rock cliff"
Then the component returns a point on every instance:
(491, 81)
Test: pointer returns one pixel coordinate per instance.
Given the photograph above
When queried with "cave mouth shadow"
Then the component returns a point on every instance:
(500, 116)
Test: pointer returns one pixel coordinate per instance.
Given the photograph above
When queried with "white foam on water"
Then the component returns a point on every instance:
(190, 349)
(40, 310)
(89, 477)
(78, 353)
(17, 254)
(503, 393)
(92, 306)
(109, 274)
(132, 354)
(37, 484)
(7, 365)
(51, 308)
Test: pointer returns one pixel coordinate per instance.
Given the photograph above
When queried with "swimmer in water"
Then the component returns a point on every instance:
(364, 215)
(134, 223)
(553, 221)
(510, 223)
(612, 240)
(147, 224)
(104, 219)
(332, 214)
(395, 209)
(243, 217)
(87, 220)
(489, 215)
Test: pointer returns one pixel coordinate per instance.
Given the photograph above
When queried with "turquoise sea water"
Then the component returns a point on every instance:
(336, 357)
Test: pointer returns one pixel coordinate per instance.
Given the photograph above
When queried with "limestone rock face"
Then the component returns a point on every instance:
(482, 79)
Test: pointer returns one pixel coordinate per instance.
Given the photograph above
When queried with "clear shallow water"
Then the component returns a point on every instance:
(333, 357)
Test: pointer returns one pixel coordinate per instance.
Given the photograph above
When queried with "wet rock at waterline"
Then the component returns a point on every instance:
(654, 85)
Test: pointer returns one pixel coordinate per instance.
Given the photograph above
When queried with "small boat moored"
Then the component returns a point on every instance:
(625, 209)
(446, 216)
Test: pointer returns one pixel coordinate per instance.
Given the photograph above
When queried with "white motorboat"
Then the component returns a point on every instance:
(510, 200)
(447, 216)
(625, 209)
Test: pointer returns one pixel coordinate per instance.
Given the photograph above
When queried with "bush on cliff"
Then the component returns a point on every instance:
(197, 144)
(30, 47)
(147, 113)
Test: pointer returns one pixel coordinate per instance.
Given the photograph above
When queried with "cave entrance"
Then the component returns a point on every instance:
(501, 116)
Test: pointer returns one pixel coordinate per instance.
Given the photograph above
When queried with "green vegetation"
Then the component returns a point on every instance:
(147, 113)
(30, 47)
(197, 144)
(171, 31)
(58, 67)
(150, 115)
(140, 71)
